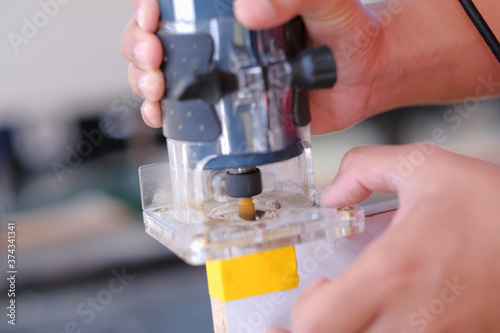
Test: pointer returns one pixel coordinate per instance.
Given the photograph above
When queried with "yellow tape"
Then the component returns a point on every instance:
(252, 275)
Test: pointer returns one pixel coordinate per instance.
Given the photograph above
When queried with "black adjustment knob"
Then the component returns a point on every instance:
(295, 36)
(209, 87)
(244, 185)
(314, 69)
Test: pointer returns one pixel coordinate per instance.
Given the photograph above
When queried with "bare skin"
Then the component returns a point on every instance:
(390, 54)
(445, 233)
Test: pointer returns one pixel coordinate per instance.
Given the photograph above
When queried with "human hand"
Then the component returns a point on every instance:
(143, 49)
(328, 22)
(389, 54)
(338, 24)
(436, 267)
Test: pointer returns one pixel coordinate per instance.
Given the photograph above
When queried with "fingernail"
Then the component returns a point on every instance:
(146, 112)
(269, 7)
(140, 52)
(150, 116)
(143, 85)
(266, 9)
(139, 17)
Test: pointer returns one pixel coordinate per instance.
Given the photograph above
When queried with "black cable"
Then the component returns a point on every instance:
(482, 27)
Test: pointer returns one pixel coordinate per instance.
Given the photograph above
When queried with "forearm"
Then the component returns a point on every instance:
(433, 54)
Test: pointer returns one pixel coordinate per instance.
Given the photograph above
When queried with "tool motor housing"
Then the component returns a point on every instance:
(234, 99)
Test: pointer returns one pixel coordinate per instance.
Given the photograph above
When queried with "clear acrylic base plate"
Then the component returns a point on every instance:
(224, 235)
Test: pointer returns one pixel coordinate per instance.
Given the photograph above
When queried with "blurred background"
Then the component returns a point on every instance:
(71, 140)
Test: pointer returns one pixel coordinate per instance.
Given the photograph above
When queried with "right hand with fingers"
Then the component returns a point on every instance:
(334, 23)
(143, 49)
(328, 22)
(389, 54)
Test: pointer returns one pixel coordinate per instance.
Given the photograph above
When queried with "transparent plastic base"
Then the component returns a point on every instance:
(281, 221)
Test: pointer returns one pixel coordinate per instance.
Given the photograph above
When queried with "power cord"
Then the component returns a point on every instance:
(482, 27)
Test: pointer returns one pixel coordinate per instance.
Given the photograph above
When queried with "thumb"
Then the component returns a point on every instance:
(147, 13)
(365, 170)
(262, 14)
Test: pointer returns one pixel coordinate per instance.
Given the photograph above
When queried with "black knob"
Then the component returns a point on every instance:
(209, 87)
(244, 185)
(295, 36)
(314, 69)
